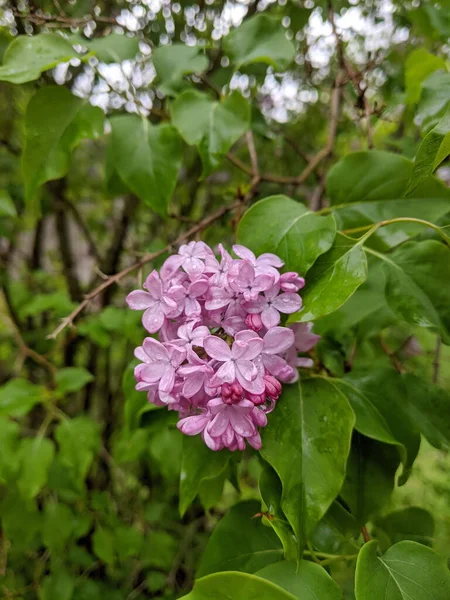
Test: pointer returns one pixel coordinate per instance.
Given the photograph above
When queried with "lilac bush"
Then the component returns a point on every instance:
(222, 355)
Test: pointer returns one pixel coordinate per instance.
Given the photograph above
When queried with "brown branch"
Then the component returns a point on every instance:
(394, 359)
(64, 21)
(252, 152)
(437, 352)
(315, 160)
(26, 351)
(68, 321)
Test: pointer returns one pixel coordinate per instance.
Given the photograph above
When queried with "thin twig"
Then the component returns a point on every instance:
(68, 321)
(26, 351)
(85, 230)
(395, 361)
(252, 152)
(40, 19)
(437, 352)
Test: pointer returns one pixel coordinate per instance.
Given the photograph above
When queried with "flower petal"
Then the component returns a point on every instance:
(219, 424)
(193, 425)
(217, 348)
(241, 424)
(270, 317)
(153, 285)
(287, 303)
(155, 350)
(226, 373)
(278, 339)
(244, 253)
(139, 300)
(246, 369)
(153, 318)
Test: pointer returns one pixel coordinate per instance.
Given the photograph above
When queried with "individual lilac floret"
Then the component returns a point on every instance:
(222, 353)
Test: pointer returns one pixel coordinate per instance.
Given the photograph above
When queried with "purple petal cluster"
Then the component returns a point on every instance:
(222, 356)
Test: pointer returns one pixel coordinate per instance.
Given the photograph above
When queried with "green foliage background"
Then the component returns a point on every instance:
(289, 133)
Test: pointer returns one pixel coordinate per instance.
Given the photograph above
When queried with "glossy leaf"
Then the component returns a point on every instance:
(307, 442)
(418, 66)
(18, 396)
(370, 477)
(28, 56)
(175, 61)
(367, 176)
(432, 151)
(369, 420)
(240, 542)
(55, 122)
(198, 464)
(384, 390)
(409, 523)
(147, 158)
(271, 490)
(336, 531)
(368, 213)
(296, 235)
(307, 581)
(406, 570)
(113, 48)
(213, 126)
(260, 39)
(414, 291)
(233, 585)
(433, 100)
(333, 279)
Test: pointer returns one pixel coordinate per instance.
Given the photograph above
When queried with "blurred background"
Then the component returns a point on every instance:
(89, 471)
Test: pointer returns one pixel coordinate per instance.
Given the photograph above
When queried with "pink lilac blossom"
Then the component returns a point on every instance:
(222, 353)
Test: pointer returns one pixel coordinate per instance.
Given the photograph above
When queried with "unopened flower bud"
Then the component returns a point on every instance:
(291, 282)
(226, 390)
(257, 399)
(254, 322)
(273, 387)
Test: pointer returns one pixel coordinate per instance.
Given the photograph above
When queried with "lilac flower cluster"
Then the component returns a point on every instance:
(222, 354)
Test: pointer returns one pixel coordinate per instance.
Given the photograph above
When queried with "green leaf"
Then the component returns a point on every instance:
(418, 66)
(434, 99)
(428, 409)
(199, 463)
(213, 126)
(260, 39)
(72, 379)
(58, 526)
(432, 151)
(414, 291)
(335, 533)
(79, 441)
(18, 396)
(28, 56)
(240, 542)
(369, 420)
(271, 491)
(368, 213)
(36, 457)
(173, 62)
(410, 523)
(366, 176)
(296, 235)
(9, 449)
(55, 122)
(103, 545)
(382, 389)
(406, 570)
(370, 477)
(307, 581)
(112, 48)
(60, 585)
(333, 279)
(232, 585)
(307, 442)
(7, 206)
(147, 158)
